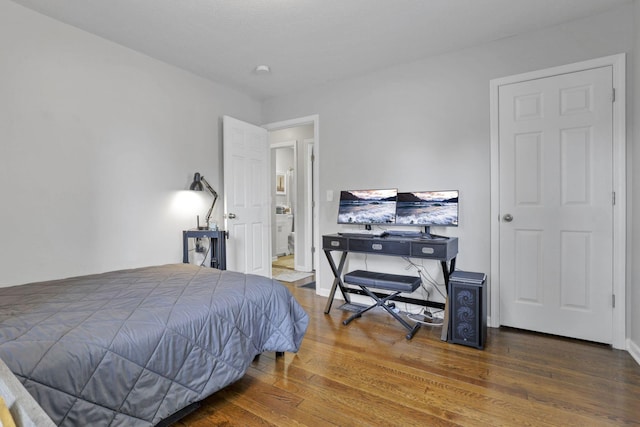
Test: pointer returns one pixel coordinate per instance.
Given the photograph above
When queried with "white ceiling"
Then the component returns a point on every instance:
(305, 42)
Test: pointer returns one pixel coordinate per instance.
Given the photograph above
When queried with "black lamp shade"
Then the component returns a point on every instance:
(197, 183)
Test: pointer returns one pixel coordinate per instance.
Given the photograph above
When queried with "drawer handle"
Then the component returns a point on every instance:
(427, 250)
(376, 247)
(335, 243)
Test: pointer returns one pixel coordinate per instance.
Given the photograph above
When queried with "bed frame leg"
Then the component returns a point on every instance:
(278, 355)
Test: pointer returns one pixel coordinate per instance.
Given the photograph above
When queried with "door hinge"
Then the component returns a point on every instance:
(613, 300)
(313, 158)
(613, 198)
(613, 95)
(313, 249)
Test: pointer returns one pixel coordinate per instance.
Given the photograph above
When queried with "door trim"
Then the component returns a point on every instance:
(617, 62)
(310, 225)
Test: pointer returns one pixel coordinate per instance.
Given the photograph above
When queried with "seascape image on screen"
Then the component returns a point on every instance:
(367, 207)
(428, 208)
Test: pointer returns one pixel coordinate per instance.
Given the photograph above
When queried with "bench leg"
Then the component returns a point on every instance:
(359, 314)
(412, 329)
(382, 302)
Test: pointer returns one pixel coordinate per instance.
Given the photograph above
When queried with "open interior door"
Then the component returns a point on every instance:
(247, 197)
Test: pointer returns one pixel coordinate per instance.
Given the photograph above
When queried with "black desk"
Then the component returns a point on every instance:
(443, 249)
(218, 246)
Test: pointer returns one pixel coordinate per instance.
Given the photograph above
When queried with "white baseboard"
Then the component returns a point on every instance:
(323, 292)
(634, 350)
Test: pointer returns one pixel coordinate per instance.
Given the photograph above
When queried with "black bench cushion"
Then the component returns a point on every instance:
(391, 282)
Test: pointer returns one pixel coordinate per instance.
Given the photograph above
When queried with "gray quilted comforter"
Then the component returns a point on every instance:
(133, 347)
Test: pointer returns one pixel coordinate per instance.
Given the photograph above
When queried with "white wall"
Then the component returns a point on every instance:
(425, 125)
(96, 142)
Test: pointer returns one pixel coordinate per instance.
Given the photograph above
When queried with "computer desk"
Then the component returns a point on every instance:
(438, 248)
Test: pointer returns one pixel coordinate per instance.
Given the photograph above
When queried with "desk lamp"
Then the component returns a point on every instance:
(197, 185)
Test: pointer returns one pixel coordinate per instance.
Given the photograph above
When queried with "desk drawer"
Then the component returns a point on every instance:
(334, 243)
(382, 246)
(431, 250)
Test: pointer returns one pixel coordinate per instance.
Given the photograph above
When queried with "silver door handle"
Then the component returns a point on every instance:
(507, 218)
(231, 215)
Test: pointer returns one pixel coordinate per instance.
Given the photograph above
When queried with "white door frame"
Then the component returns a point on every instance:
(310, 225)
(617, 62)
(301, 121)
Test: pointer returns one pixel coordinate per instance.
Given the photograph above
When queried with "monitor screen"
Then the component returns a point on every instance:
(428, 208)
(367, 207)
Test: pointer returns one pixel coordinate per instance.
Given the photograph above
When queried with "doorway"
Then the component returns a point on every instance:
(294, 189)
(284, 205)
(558, 194)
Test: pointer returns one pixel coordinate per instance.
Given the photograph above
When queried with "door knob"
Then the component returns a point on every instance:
(507, 218)
(231, 215)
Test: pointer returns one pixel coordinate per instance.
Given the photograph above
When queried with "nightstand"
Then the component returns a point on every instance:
(218, 246)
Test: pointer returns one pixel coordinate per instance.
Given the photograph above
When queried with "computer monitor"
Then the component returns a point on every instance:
(367, 207)
(428, 208)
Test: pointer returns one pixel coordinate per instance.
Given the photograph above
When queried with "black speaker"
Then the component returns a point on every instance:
(467, 312)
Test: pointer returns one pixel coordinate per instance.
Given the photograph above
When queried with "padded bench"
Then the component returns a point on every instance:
(389, 282)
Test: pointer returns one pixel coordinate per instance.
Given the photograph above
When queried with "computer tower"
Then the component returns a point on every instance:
(468, 309)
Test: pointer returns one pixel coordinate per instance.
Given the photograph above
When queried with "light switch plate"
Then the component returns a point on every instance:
(329, 195)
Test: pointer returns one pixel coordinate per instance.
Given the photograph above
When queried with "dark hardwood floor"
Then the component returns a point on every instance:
(368, 374)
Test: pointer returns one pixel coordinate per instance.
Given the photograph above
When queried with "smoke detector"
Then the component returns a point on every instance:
(262, 69)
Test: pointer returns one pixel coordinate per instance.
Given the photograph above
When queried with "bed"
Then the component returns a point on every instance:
(134, 347)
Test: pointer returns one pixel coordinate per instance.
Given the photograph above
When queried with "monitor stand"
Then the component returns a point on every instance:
(426, 234)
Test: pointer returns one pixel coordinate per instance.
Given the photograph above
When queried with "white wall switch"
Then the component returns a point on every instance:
(329, 195)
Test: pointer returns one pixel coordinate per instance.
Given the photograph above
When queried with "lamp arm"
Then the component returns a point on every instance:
(215, 197)
(211, 190)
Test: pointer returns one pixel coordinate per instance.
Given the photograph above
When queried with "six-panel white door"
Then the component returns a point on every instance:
(246, 197)
(556, 207)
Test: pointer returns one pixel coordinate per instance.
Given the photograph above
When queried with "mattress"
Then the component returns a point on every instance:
(133, 347)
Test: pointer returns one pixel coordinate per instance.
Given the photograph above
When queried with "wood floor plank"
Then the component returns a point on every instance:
(420, 388)
(368, 374)
(348, 404)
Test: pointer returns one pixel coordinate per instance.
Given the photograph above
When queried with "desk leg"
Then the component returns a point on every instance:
(185, 248)
(337, 281)
(446, 272)
(213, 245)
(219, 251)
(222, 251)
